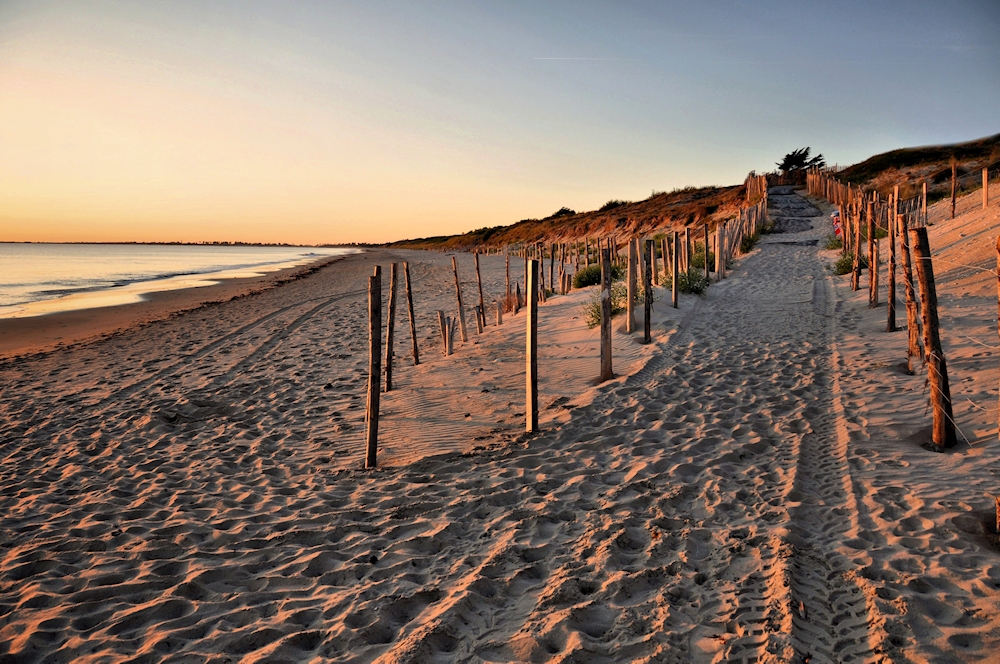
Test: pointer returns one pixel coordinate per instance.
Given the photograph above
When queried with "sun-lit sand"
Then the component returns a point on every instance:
(750, 487)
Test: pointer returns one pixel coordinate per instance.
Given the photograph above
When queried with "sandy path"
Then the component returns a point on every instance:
(176, 494)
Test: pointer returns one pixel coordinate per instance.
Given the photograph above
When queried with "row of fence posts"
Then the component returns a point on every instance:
(641, 255)
(857, 208)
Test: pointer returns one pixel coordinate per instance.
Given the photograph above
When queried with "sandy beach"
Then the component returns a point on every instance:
(182, 479)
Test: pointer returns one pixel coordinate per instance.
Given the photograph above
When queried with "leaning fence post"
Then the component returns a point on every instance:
(673, 271)
(458, 294)
(374, 368)
(944, 423)
(531, 351)
(409, 310)
(482, 303)
(390, 327)
(708, 275)
(606, 371)
(647, 286)
(630, 288)
(443, 323)
(913, 349)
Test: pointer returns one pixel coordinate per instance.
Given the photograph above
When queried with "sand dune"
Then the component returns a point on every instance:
(749, 488)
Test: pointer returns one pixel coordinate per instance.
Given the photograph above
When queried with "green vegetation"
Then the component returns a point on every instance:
(799, 160)
(748, 242)
(692, 282)
(833, 242)
(619, 300)
(562, 212)
(698, 259)
(591, 276)
(612, 204)
(845, 263)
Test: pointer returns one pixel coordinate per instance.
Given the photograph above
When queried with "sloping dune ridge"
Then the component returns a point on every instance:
(751, 487)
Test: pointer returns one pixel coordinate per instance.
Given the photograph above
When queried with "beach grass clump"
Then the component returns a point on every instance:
(845, 263)
(748, 242)
(833, 242)
(591, 276)
(692, 282)
(698, 259)
(619, 301)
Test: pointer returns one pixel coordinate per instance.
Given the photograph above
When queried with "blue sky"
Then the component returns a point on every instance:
(371, 121)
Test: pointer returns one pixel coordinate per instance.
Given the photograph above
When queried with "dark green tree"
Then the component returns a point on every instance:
(798, 160)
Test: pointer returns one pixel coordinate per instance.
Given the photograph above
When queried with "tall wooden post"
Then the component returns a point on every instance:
(954, 184)
(944, 421)
(998, 332)
(630, 288)
(856, 267)
(443, 323)
(872, 266)
(482, 302)
(687, 249)
(674, 269)
(374, 366)
(708, 268)
(890, 320)
(986, 188)
(606, 371)
(409, 310)
(461, 307)
(507, 278)
(531, 351)
(913, 349)
(923, 202)
(390, 327)
(647, 286)
(552, 268)
(666, 257)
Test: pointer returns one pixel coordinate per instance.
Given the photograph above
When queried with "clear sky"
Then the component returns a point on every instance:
(329, 121)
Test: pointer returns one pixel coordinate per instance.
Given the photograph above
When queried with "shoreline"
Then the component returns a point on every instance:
(30, 335)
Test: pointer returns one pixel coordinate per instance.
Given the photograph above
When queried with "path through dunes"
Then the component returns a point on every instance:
(711, 506)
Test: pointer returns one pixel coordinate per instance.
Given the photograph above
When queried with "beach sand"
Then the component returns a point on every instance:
(750, 487)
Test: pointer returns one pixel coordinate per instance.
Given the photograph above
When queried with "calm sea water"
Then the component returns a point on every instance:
(40, 278)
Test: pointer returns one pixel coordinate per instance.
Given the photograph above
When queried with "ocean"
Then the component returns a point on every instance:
(43, 278)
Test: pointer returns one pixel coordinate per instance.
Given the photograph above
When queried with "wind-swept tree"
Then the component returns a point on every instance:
(798, 160)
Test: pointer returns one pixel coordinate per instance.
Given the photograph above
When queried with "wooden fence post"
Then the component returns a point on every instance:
(998, 332)
(944, 423)
(954, 184)
(856, 265)
(913, 349)
(409, 310)
(890, 321)
(674, 269)
(666, 257)
(390, 327)
(499, 313)
(531, 351)
(507, 278)
(872, 259)
(986, 188)
(708, 274)
(458, 295)
(482, 303)
(630, 289)
(923, 202)
(647, 285)
(606, 370)
(443, 322)
(374, 366)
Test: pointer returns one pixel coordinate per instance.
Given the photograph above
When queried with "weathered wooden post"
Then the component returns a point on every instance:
(461, 307)
(944, 422)
(986, 188)
(507, 280)
(374, 366)
(499, 313)
(482, 303)
(923, 202)
(630, 288)
(674, 269)
(531, 351)
(443, 322)
(647, 286)
(390, 327)
(409, 310)
(890, 321)
(708, 273)
(998, 332)
(666, 257)
(954, 184)
(687, 248)
(517, 298)
(552, 267)
(872, 264)
(606, 370)
(913, 349)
